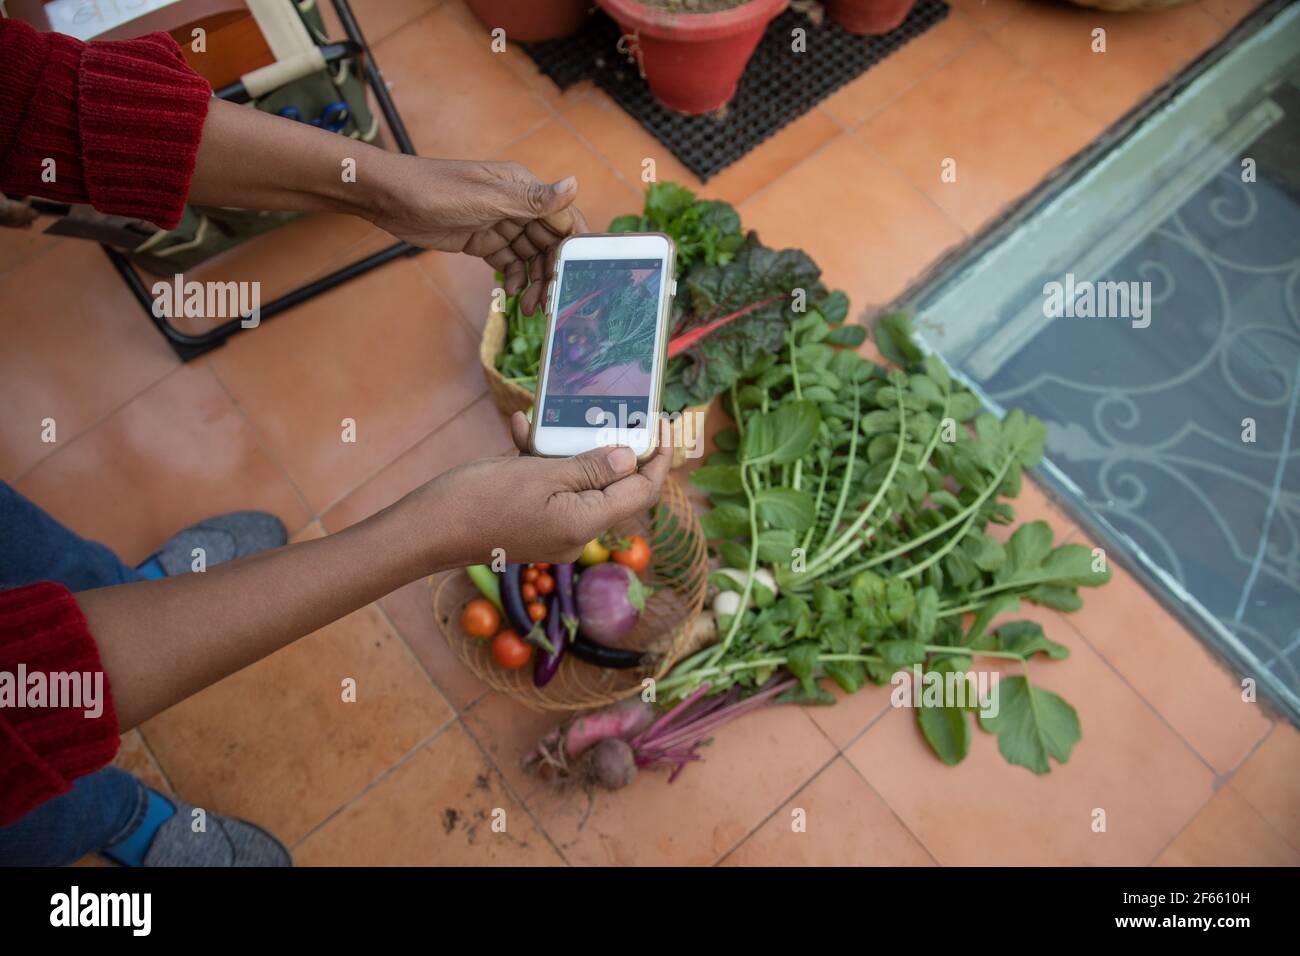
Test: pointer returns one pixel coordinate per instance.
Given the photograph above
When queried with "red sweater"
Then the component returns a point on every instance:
(118, 126)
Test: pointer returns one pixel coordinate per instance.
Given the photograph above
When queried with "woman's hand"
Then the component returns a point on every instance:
(535, 509)
(498, 212)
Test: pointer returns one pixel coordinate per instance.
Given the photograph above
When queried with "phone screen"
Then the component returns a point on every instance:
(603, 351)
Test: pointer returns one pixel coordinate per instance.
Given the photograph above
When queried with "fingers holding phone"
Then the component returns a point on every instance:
(624, 488)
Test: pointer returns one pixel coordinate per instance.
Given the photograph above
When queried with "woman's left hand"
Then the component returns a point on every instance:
(499, 212)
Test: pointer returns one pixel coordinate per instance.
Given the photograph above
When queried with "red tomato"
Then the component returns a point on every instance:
(542, 566)
(635, 556)
(545, 584)
(528, 592)
(510, 650)
(537, 611)
(530, 574)
(480, 618)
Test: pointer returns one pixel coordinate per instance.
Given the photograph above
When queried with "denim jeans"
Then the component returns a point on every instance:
(102, 807)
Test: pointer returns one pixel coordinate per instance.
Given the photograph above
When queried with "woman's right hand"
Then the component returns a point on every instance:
(534, 509)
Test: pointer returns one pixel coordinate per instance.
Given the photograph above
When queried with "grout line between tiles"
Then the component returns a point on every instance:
(378, 779)
(505, 783)
(781, 802)
(396, 458)
(476, 333)
(374, 41)
(1149, 705)
(901, 822)
(1181, 830)
(153, 755)
(1229, 775)
(64, 446)
(597, 151)
(266, 450)
(966, 234)
(413, 657)
(1281, 837)
(863, 732)
(958, 51)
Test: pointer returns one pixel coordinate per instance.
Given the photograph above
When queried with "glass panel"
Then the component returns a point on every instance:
(1150, 314)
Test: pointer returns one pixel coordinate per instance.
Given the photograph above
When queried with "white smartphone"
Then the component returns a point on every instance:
(602, 367)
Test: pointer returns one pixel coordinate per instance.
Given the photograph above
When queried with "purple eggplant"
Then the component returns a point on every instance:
(600, 655)
(556, 630)
(512, 598)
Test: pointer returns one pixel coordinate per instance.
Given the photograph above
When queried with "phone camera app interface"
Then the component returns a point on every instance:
(602, 356)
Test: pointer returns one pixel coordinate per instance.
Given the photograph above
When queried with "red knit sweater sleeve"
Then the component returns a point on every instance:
(43, 748)
(115, 124)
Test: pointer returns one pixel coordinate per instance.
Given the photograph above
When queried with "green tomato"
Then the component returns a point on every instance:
(593, 553)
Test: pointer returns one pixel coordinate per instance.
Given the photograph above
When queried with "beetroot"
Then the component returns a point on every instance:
(623, 720)
(600, 747)
(613, 764)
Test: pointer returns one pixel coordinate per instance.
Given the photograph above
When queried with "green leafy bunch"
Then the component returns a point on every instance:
(518, 362)
(867, 495)
(703, 230)
(734, 316)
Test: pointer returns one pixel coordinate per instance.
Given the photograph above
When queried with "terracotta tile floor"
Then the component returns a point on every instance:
(419, 773)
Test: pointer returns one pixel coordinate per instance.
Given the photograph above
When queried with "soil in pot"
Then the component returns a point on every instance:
(868, 17)
(533, 21)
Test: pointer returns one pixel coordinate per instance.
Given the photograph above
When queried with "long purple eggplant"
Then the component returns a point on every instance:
(512, 598)
(617, 658)
(561, 607)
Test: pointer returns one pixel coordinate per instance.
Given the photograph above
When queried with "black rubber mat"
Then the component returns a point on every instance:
(778, 86)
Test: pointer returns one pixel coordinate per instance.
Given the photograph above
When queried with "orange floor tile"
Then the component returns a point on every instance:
(425, 767)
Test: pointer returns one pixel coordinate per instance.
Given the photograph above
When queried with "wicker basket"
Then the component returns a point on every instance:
(668, 627)
(511, 397)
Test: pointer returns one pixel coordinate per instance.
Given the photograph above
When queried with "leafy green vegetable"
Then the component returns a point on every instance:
(947, 731)
(703, 230)
(867, 493)
(1032, 725)
(746, 307)
(525, 337)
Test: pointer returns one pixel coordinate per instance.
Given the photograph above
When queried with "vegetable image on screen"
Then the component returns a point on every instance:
(604, 336)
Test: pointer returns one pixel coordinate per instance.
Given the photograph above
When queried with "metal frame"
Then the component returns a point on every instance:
(187, 346)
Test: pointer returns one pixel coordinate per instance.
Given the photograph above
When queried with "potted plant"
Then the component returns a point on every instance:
(533, 21)
(692, 52)
(868, 17)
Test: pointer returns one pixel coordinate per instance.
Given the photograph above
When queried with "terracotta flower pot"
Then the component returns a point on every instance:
(868, 17)
(693, 61)
(531, 21)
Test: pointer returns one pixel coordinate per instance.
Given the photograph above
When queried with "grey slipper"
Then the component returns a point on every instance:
(226, 841)
(222, 538)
